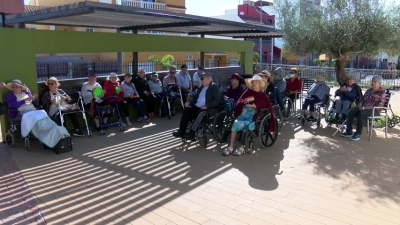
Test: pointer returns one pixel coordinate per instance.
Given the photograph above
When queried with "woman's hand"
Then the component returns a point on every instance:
(2, 85)
(187, 104)
(251, 105)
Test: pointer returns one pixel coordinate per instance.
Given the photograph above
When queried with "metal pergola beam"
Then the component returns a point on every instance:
(226, 32)
(165, 25)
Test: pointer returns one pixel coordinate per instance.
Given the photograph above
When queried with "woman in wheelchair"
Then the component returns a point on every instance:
(233, 92)
(19, 100)
(205, 101)
(246, 111)
(348, 94)
(373, 97)
(315, 95)
(54, 98)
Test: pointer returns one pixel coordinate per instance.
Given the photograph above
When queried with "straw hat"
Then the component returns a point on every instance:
(16, 82)
(263, 83)
(53, 79)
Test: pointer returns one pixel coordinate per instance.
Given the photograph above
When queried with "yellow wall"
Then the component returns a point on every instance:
(175, 2)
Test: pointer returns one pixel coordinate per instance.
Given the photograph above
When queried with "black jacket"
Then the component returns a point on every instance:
(141, 85)
(213, 98)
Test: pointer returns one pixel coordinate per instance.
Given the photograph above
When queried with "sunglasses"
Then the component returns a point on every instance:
(172, 72)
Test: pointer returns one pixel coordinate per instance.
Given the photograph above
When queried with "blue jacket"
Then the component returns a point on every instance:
(350, 96)
(319, 89)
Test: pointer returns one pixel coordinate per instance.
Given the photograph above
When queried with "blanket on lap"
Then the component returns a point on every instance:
(42, 127)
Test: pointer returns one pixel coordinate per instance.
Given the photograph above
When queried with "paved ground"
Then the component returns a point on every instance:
(145, 176)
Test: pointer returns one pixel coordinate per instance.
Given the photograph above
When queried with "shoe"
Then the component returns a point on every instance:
(311, 118)
(146, 119)
(189, 136)
(227, 151)
(78, 133)
(128, 123)
(178, 134)
(123, 124)
(346, 134)
(140, 120)
(355, 137)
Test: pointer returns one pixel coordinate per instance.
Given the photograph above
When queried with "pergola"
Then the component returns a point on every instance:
(20, 46)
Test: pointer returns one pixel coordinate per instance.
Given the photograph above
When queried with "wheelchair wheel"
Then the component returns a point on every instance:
(396, 119)
(267, 138)
(288, 104)
(10, 139)
(318, 122)
(391, 123)
(27, 144)
(278, 116)
(250, 150)
(203, 141)
(302, 121)
(221, 125)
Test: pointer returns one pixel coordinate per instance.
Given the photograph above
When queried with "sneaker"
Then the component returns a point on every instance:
(78, 133)
(189, 136)
(178, 134)
(140, 120)
(145, 119)
(128, 123)
(355, 137)
(311, 118)
(346, 134)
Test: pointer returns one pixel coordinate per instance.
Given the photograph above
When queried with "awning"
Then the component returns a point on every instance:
(103, 15)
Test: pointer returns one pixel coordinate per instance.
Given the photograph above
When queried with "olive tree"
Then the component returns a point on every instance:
(339, 28)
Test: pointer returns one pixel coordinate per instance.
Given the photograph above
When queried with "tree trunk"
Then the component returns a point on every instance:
(340, 72)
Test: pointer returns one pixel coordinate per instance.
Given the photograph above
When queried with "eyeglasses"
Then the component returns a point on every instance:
(291, 73)
(172, 72)
(50, 83)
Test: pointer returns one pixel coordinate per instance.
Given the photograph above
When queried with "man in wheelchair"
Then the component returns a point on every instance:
(205, 101)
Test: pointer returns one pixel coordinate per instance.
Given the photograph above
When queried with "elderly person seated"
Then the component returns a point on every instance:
(205, 101)
(373, 97)
(19, 100)
(246, 111)
(88, 95)
(21, 105)
(196, 77)
(315, 95)
(270, 89)
(233, 92)
(143, 88)
(131, 96)
(55, 99)
(185, 80)
(156, 87)
(348, 94)
(293, 84)
(280, 87)
(112, 88)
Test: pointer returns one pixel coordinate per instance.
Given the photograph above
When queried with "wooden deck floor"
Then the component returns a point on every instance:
(146, 176)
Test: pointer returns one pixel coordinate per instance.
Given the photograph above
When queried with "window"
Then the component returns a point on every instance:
(89, 30)
(190, 56)
(30, 28)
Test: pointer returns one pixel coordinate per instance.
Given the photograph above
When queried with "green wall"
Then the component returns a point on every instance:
(18, 48)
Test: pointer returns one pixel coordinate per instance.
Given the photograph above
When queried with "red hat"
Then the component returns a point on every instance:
(235, 76)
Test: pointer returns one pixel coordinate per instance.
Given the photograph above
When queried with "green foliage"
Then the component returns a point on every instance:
(339, 28)
(165, 62)
(322, 63)
(398, 64)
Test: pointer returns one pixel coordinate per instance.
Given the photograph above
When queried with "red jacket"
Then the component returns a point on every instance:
(110, 91)
(294, 85)
(260, 100)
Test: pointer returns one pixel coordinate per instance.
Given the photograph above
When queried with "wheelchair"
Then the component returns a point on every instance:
(204, 129)
(15, 130)
(172, 93)
(281, 115)
(330, 114)
(223, 123)
(323, 105)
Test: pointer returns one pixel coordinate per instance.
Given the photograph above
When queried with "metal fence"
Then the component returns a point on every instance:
(362, 76)
(354, 64)
(71, 70)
